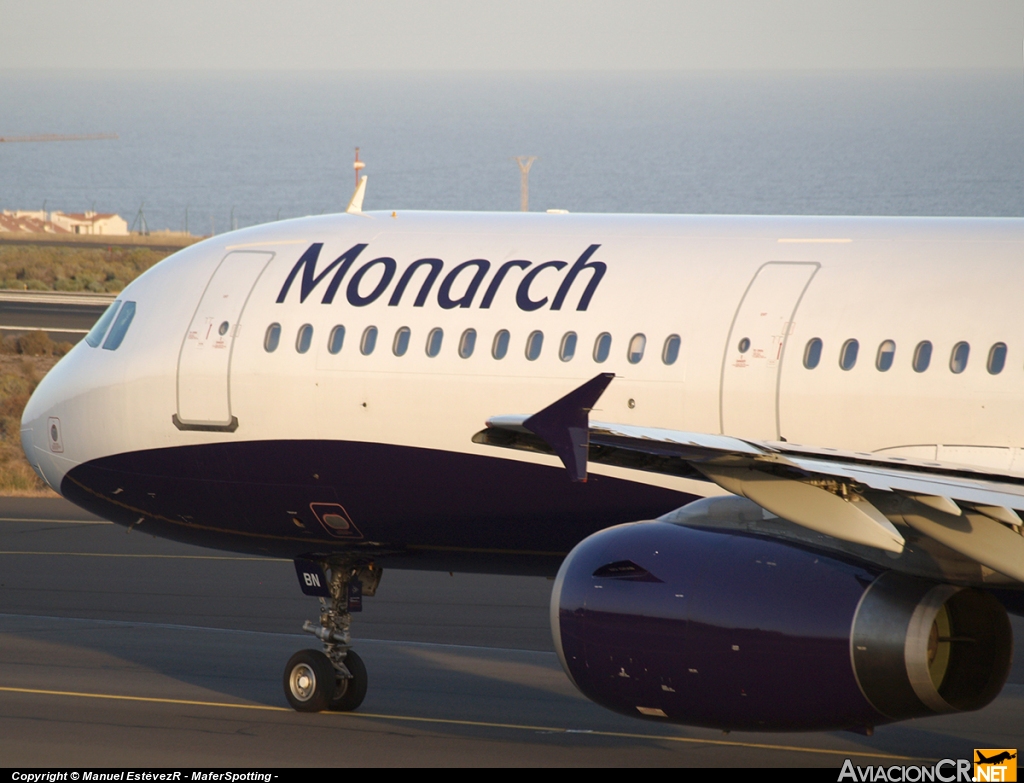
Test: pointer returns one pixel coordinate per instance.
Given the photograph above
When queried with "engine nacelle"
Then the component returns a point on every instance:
(736, 631)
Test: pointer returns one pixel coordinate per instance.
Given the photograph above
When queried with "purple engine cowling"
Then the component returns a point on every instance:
(736, 631)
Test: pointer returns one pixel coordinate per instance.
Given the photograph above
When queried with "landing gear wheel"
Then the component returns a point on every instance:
(309, 681)
(350, 693)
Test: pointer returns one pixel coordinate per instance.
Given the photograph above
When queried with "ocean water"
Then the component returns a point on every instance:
(246, 148)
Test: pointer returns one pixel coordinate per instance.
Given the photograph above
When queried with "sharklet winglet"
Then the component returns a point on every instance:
(355, 204)
(565, 424)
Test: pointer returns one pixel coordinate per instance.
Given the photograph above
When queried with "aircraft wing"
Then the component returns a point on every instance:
(853, 496)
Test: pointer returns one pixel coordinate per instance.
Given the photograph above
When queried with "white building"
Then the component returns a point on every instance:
(27, 222)
(90, 223)
(39, 222)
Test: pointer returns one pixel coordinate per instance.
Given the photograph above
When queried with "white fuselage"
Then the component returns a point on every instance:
(714, 282)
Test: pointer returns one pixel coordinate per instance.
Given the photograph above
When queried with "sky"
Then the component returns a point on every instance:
(524, 35)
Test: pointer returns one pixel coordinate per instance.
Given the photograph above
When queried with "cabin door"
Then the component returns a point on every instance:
(204, 401)
(756, 348)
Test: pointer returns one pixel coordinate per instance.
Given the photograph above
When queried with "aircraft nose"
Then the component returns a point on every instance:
(28, 446)
(42, 437)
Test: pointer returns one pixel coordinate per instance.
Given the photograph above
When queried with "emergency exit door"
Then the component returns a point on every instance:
(756, 348)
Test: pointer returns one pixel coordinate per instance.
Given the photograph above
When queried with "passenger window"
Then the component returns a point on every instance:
(120, 327)
(223, 328)
(602, 347)
(568, 347)
(886, 354)
(997, 358)
(434, 340)
(848, 354)
(533, 345)
(369, 341)
(95, 336)
(744, 345)
(922, 356)
(467, 343)
(812, 353)
(401, 342)
(636, 348)
(670, 352)
(336, 340)
(958, 359)
(500, 345)
(304, 338)
(272, 338)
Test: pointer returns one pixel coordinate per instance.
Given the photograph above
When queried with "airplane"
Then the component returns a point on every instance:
(775, 465)
(996, 759)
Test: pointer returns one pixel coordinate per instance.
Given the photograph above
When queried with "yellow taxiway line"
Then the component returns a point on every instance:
(57, 521)
(470, 723)
(144, 557)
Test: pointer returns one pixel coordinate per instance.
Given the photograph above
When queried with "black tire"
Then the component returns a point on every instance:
(350, 693)
(309, 681)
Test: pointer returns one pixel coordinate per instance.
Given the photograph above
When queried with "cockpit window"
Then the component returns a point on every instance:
(95, 336)
(120, 327)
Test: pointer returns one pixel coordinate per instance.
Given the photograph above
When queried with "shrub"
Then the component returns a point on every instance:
(19, 376)
(98, 269)
(36, 344)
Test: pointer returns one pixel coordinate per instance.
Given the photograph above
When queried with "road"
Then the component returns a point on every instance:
(168, 243)
(120, 649)
(65, 316)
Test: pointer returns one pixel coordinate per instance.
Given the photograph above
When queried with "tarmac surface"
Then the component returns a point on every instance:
(120, 649)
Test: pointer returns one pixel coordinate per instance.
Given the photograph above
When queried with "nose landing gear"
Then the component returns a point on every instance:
(306, 680)
(334, 679)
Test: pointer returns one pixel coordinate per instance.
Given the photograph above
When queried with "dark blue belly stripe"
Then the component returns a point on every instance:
(407, 507)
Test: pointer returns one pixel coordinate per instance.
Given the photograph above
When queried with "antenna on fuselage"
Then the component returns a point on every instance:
(355, 204)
